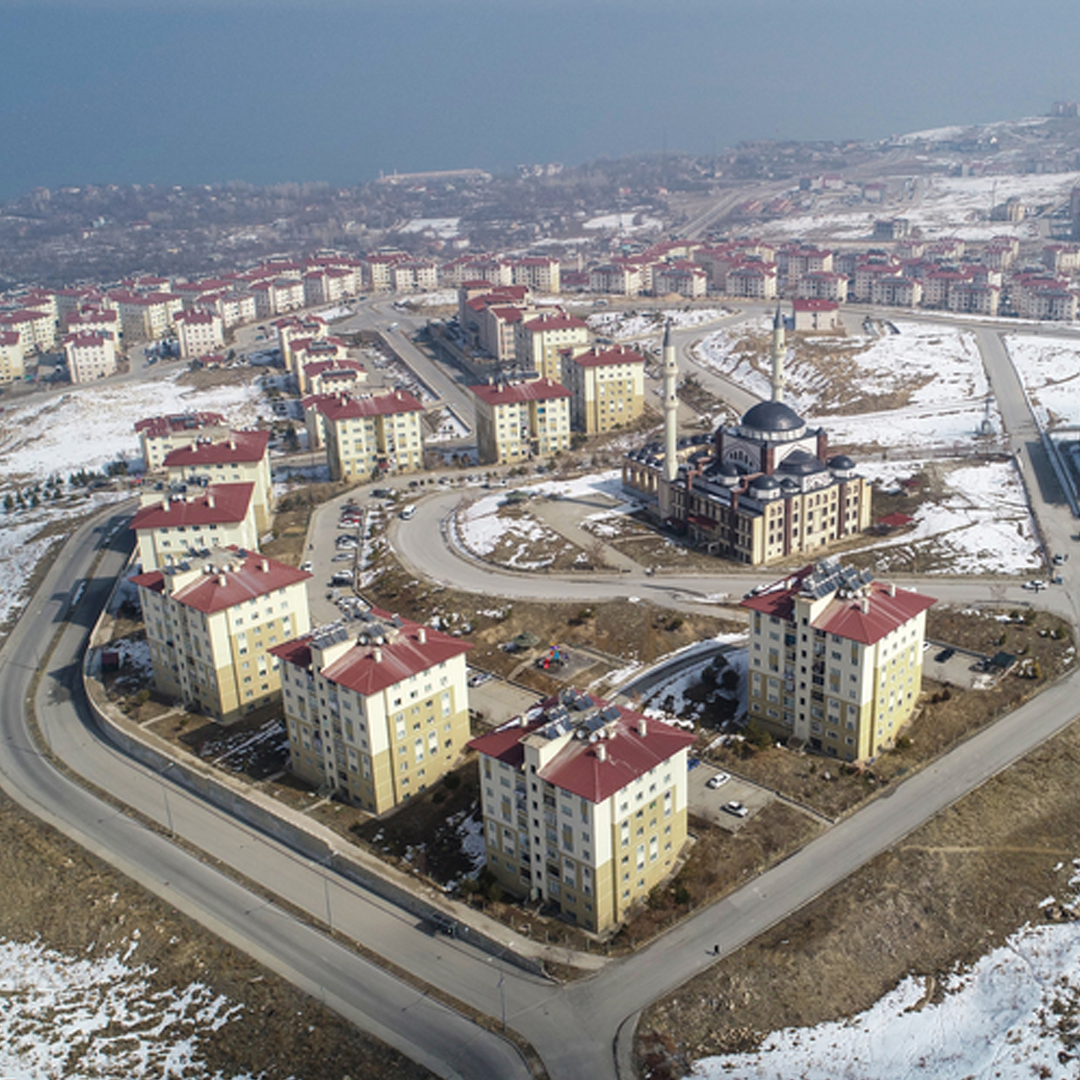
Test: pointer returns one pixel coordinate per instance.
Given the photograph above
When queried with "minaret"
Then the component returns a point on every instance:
(671, 423)
(779, 350)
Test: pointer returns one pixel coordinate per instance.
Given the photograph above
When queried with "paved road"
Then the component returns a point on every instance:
(407, 1019)
(573, 1028)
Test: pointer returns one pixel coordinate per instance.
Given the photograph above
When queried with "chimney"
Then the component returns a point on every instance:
(265, 566)
(642, 727)
(421, 635)
(210, 501)
(864, 605)
(378, 656)
(601, 752)
(222, 580)
(232, 444)
(891, 588)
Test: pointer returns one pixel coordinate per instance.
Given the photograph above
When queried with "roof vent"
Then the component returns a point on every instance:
(891, 588)
(864, 605)
(210, 500)
(601, 752)
(265, 566)
(222, 580)
(378, 656)
(421, 635)
(642, 727)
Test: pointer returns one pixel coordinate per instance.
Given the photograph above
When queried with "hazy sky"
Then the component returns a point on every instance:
(184, 91)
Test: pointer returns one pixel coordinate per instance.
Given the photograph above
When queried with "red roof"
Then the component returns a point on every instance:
(814, 305)
(246, 578)
(401, 655)
(221, 504)
(887, 608)
(196, 316)
(157, 426)
(507, 393)
(617, 355)
(556, 322)
(342, 367)
(578, 766)
(895, 520)
(240, 446)
(348, 408)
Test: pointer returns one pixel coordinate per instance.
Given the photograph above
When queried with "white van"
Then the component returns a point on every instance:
(407, 513)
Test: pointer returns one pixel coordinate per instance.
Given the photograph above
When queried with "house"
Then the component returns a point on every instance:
(516, 421)
(174, 526)
(211, 626)
(377, 709)
(244, 457)
(835, 659)
(811, 315)
(584, 806)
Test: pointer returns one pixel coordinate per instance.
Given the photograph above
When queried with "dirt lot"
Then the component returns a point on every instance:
(58, 894)
(951, 892)
(945, 714)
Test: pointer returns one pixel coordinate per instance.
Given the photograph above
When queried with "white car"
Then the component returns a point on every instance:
(736, 808)
(715, 781)
(1035, 585)
(307, 567)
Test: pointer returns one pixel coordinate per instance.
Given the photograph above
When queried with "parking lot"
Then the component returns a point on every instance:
(708, 802)
(948, 664)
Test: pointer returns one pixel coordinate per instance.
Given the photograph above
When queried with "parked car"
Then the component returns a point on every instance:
(1035, 584)
(945, 654)
(307, 567)
(735, 808)
(715, 781)
(407, 513)
(342, 577)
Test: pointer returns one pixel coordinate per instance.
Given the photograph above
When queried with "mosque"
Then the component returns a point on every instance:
(760, 490)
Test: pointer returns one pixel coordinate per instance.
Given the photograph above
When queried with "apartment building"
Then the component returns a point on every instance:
(539, 272)
(199, 332)
(414, 276)
(377, 708)
(896, 291)
(755, 280)
(680, 279)
(298, 328)
(607, 387)
(36, 329)
(617, 278)
(304, 353)
(278, 296)
(172, 527)
(145, 317)
(826, 285)
(584, 806)
(472, 268)
(159, 435)
(333, 377)
(474, 297)
(835, 659)
(368, 434)
(244, 457)
(94, 320)
(517, 421)
(12, 367)
(539, 341)
(211, 626)
(90, 356)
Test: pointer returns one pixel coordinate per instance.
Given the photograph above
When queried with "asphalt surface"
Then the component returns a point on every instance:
(575, 1028)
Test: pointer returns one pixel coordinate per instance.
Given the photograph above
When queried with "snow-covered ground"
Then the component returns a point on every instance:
(70, 1018)
(623, 223)
(433, 299)
(622, 325)
(982, 525)
(1050, 371)
(444, 228)
(1013, 1016)
(943, 206)
(85, 428)
(936, 369)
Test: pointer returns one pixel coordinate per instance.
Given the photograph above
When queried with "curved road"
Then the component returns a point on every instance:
(573, 1028)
